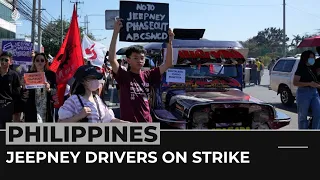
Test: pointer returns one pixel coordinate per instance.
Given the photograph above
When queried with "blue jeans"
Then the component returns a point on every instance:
(308, 97)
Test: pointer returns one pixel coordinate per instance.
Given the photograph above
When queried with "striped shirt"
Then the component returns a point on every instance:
(72, 107)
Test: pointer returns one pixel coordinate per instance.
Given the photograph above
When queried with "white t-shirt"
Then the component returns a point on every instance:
(72, 107)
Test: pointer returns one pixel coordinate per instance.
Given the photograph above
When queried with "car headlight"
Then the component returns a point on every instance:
(200, 120)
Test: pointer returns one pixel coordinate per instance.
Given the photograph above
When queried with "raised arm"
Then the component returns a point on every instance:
(113, 46)
(169, 56)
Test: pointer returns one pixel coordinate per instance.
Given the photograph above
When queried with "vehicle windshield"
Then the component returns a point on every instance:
(209, 70)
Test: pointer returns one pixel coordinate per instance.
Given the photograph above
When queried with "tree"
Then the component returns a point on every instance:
(267, 42)
(51, 36)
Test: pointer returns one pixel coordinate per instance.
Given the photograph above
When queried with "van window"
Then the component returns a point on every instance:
(284, 65)
(288, 65)
(279, 66)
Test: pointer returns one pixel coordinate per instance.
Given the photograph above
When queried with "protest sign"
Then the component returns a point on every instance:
(20, 50)
(34, 80)
(176, 75)
(110, 16)
(144, 21)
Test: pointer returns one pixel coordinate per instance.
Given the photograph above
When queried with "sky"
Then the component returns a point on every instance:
(223, 20)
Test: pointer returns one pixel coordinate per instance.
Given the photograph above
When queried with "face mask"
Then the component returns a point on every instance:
(93, 85)
(311, 61)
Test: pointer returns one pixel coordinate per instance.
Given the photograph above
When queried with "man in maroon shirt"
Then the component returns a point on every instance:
(135, 84)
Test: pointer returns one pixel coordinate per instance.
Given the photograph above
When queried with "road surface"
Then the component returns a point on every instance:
(261, 92)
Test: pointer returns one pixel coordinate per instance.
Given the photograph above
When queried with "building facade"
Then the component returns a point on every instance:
(8, 27)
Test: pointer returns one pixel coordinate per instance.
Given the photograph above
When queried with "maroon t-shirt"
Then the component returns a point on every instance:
(134, 104)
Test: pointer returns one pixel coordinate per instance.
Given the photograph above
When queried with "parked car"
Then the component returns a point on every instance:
(281, 79)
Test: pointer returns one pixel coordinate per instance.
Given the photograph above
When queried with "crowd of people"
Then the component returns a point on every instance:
(84, 95)
(256, 72)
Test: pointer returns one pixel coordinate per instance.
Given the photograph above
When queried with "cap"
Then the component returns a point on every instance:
(85, 71)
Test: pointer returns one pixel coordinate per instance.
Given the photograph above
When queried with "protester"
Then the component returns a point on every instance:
(10, 87)
(307, 93)
(84, 105)
(102, 82)
(270, 66)
(258, 63)
(117, 85)
(135, 84)
(253, 72)
(316, 66)
(39, 105)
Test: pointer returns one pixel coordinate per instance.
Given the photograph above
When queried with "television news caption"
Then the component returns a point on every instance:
(109, 135)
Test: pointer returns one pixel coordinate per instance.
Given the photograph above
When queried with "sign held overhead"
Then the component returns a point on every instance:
(111, 15)
(144, 21)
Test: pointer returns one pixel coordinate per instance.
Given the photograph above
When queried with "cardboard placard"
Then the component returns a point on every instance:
(176, 75)
(144, 21)
(34, 80)
(110, 16)
(20, 50)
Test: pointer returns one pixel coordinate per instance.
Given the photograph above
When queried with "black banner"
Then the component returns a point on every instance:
(144, 21)
(270, 153)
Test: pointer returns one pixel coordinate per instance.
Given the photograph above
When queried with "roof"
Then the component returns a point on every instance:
(202, 43)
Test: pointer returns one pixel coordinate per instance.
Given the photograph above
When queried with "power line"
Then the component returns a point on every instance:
(234, 5)
(25, 9)
(51, 15)
(304, 11)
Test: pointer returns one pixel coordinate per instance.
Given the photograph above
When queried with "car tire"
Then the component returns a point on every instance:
(286, 97)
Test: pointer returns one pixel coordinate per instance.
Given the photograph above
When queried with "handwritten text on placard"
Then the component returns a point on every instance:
(34, 80)
(144, 22)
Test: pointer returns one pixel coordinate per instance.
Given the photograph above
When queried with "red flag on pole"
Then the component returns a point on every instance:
(68, 59)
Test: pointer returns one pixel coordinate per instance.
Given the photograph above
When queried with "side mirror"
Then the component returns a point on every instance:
(280, 116)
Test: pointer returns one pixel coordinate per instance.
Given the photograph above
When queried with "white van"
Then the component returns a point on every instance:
(281, 79)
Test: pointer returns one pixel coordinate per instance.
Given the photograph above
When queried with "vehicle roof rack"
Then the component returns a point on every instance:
(188, 34)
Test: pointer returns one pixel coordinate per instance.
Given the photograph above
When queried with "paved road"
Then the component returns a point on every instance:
(261, 92)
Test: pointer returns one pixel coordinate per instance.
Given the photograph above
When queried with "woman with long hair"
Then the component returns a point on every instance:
(85, 105)
(307, 94)
(39, 105)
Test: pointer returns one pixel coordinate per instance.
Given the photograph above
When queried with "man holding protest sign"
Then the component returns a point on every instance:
(135, 84)
(10, 87)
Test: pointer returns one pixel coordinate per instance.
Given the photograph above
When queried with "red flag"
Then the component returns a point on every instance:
(68, 59)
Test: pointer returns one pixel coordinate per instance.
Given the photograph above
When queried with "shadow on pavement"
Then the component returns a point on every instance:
(292, 109)
(265, 86)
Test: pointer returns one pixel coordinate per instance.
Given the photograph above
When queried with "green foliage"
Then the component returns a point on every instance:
(268, 44)
(51, 36)
(265, 60)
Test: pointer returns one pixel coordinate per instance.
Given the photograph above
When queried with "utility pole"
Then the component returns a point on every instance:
(33, 26)
(85, 22)
(77, 2)
(39, 27)
(61, 25)
(284, 29)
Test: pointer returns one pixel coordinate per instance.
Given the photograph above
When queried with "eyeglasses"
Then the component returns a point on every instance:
(4, 60)
(40, 60)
